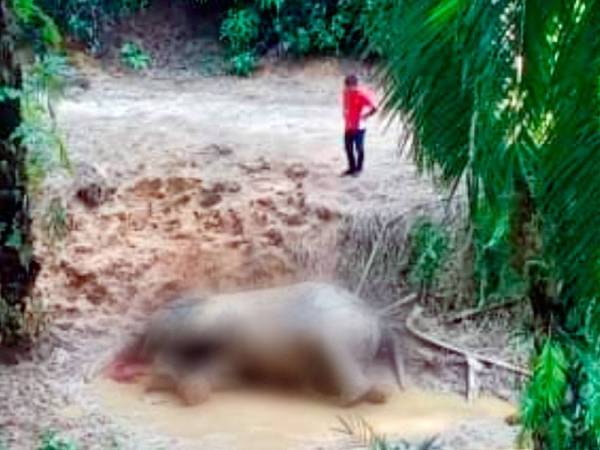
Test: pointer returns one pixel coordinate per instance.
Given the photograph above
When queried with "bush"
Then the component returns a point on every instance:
(299, 41)
(240, 29)
(243, 64)
(320, 27)
(51, 441)
(135, 57)
(316, 27)
(429, 247)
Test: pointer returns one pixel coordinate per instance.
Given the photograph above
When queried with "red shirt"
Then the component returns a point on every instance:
(355, 100)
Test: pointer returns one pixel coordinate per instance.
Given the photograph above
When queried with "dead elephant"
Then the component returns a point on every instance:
(310, 335)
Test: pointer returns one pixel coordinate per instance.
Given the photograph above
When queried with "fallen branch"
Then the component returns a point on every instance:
(410, 325)
(473, 367)
(470, 357)
(393, 307)
(367, 269)
(469, 313)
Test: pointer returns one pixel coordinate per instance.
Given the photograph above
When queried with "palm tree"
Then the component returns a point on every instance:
(503, 98)
(18, 268)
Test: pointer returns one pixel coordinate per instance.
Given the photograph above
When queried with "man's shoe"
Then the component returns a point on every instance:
(348, 173)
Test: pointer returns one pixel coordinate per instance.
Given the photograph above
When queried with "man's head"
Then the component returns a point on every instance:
(351, 81)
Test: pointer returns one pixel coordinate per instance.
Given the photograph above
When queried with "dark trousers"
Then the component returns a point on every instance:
(354, 142)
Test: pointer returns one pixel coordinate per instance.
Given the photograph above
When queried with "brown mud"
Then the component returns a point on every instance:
(260, 421)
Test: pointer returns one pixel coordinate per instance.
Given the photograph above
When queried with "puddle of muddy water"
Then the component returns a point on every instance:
(259, 421)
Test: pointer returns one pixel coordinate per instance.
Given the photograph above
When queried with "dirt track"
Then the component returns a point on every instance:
(214, 180)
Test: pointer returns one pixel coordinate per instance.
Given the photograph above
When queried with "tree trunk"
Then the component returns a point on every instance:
(18, 268)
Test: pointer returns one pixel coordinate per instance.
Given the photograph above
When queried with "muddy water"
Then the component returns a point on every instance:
(260, 421)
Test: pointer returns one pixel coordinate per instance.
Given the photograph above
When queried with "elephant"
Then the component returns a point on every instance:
(311, 335)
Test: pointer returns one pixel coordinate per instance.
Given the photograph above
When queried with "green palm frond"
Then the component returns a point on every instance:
(270, 4)
(42, 86)
(30, 14)
(549, 384)
(360, 431)
(503, 97)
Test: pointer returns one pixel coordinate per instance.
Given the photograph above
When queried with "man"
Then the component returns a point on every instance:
(358, 107)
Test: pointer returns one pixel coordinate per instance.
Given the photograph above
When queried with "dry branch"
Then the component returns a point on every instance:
(470, 358)
(367, 269)
(398, 304)
(470, 313)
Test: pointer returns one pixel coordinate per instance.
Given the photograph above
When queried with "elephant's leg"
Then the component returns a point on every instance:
(378, 393)
(160, 383)
(193, 389)
(162, 376)
(345, 373)
(195, 386)
(222, 374)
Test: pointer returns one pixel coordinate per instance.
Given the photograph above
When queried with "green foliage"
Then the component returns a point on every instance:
(135, 57)
(429, 247)
(42, 84)
(317, 27)
(545, 394)
(9, 93)
(295, 27)
(502, 97)
(45, 78)
(52, 441)
(240, 29)
(31, 143)
(548, 385)
(38, 25)
(270, 4)
(243, 64)
(300, 27)
(329, 30)
(372, 22)
(299, 41)
(495, 277)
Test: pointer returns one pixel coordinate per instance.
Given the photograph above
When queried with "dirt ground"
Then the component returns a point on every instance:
(211, 183)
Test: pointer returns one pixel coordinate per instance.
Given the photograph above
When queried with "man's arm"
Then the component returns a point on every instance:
(370, 104)
(372, 110)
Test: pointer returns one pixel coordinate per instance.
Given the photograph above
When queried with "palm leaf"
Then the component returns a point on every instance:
(503, 97)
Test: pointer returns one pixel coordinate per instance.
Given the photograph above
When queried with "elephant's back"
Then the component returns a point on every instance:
(308, 308)
(340, 316)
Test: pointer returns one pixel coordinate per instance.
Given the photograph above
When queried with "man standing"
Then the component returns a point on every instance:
(358, 107)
